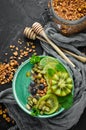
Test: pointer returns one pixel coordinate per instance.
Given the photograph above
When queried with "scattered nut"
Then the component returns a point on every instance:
(15, 53)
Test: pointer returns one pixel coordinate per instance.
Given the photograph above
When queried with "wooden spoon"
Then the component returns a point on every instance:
(29, 33)
(80, 58)
(38, 29)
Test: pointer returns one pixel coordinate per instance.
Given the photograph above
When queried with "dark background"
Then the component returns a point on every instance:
(15, 15)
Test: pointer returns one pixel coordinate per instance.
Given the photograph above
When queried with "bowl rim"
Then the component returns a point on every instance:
(15, 95)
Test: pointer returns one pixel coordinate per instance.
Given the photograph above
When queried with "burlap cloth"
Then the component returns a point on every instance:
(69, 117)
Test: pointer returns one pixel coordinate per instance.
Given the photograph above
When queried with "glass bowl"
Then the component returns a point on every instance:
(66, 27)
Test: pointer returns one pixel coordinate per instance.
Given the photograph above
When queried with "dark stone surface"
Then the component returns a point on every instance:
(14, 16)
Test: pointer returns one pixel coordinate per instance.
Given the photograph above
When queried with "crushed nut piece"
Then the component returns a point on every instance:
(7, 71)
(33, 47)
(15, 53)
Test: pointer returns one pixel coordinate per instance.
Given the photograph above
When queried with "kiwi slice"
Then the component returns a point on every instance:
(63, 85)
(49, 103)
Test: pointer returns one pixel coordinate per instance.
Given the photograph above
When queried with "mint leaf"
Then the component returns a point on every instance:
(50, 72)
(60, 67)
(67, 101)
(35, 59)
(35, 112)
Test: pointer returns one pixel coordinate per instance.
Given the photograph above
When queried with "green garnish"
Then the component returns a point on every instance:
(35, 111)
(59, 67)
(35, 59)
(67, 101)
(50, 72)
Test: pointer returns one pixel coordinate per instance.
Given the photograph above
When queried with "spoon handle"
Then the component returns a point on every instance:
(81, 58)
(56, 48)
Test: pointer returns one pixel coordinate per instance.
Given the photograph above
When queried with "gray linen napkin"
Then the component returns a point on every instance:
(67, 118)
